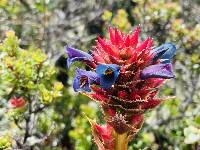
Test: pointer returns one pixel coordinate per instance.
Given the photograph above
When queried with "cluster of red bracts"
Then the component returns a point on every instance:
(15, 102)
(127, 79)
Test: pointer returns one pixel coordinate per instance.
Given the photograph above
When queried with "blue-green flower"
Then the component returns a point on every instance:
(108, 74)
(84, 79)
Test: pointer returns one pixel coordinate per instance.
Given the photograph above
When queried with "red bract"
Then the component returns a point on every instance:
(122, 49)
(102, 136)
(16, 102)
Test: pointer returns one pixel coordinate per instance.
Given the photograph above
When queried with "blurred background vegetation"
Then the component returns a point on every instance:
(33, 66)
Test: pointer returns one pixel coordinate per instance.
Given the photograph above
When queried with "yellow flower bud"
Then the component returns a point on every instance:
(106, 15)
(58, 86)
(10, 33)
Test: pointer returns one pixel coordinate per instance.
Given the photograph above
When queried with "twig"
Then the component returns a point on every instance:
(19, 144)
(17, 123)
(26, 5)
(28, 120)
(39, 109)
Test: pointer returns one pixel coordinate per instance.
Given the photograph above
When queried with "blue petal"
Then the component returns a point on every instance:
(76, 55)
(76, 85)
(107, 80)
(72, 52)
(100, 69)
(164, 52)
(92, 76)
(71, 60)
(158, 71)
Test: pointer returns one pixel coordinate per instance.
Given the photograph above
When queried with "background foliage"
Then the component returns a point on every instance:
(53, 116)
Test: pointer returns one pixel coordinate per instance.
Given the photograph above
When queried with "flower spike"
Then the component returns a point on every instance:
(129, 73)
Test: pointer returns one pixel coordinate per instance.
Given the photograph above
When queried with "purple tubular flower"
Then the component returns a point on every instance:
(84, 79)
(158, 71)
(77, 55)
(108, 74)
(164, 52)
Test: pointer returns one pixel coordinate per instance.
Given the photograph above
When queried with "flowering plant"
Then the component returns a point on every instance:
(124, 77)
(27, 90)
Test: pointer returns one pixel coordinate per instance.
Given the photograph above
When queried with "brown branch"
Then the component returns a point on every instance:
(17, 123)
(39, 109)
(28, 120)
(26, 5)
(18, 143)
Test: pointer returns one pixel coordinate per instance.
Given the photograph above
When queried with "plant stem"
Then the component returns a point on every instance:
(121, 142)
